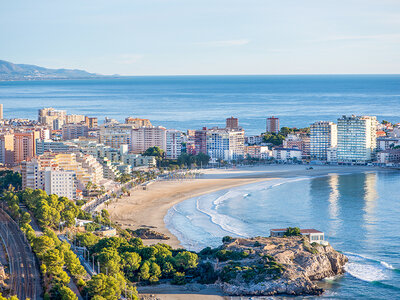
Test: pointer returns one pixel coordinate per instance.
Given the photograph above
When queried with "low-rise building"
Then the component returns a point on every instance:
(287, 154)
(388, 156)
(259, 152)
(312, 234)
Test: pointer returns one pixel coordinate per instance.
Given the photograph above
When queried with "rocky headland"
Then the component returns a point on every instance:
(270, 266)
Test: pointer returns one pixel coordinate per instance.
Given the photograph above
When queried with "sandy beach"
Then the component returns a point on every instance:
(147, 208)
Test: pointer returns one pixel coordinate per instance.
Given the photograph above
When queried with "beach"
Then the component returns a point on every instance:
(147, 208)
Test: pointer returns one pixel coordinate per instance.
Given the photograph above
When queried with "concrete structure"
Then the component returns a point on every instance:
(312, 234)
(173, 143)
(137, 122)
(74, 119)
(385, 143)
(115, 135)
(323, 135)
(298, 141)
(287, 154)
(331, 155)
(388, 156)
(25, 145)
(356, 139)
(200, 141)
(259, 152)
(272, 125)
(74, 131)
(43, 146)
(254, 140)
(52, 117)
(91, 122)
(7, 149)
(232, 123)
(145, 137)
(225, 144)
(61, 183)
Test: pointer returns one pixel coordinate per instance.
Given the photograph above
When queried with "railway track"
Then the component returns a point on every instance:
(25, 274)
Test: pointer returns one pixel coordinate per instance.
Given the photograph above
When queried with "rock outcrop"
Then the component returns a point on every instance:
(274, 266)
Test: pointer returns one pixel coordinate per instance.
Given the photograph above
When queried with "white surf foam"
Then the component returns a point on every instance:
(365, 272)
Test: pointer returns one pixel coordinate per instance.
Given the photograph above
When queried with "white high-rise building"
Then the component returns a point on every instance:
(173, 143)
(61, 183)
(356, 139)
(225, 144)
(146, 137)
(323, 136)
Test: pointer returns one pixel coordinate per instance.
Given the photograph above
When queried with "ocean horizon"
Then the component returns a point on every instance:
(192, 102)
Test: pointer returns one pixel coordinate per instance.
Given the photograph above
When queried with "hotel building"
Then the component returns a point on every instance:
(225, 144)
(173, 143)
(146, 137)
(323, 136)
(356, 141)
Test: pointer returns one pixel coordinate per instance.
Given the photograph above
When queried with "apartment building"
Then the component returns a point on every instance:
(232, 123)
(137, 122)
(225, 144)
(323, 136)
(74, 131)
(25, 145)
(356, 139)
(173, 144)
(200, 141)
(91, 122)
(74, 119)
(286, 154)
(52, 117)
(272, 125)
(298, 141)
(146, 137)
(259, 152)
(115, 135)
(7, 149)
(50, 179)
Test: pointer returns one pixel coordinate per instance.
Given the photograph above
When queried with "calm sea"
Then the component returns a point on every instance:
(358, 212)
(190, 102)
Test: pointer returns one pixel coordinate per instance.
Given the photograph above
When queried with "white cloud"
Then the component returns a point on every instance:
(226, 43)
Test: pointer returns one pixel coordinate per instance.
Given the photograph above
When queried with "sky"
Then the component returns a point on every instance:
(185, 37)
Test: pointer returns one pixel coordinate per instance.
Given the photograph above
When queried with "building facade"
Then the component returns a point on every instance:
(173, 143)
(272, 125)
(356, 142)
(145, 137)
(323, 135)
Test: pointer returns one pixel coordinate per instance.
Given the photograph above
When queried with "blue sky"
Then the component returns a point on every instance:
(178, 37)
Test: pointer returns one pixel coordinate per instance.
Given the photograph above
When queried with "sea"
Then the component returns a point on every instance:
(359, 212)
(191, 102)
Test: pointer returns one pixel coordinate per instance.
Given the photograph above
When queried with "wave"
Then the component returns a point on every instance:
(367, 268)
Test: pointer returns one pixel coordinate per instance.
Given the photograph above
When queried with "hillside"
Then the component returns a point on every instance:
(10, 71)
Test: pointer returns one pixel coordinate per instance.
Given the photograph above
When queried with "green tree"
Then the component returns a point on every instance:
(292, 231)
(101, 285)
(186, 260)
(66, 293)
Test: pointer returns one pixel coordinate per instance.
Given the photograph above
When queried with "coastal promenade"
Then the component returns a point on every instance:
(24, 270)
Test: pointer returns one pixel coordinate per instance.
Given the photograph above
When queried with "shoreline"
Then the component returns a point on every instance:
(148, 208)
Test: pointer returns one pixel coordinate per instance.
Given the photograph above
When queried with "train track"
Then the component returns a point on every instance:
(24, 270)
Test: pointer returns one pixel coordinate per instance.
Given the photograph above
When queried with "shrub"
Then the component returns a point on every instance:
(227, 239)
(292, 231)
(179, 278)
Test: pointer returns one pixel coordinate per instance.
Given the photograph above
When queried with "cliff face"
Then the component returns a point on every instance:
(279, 266)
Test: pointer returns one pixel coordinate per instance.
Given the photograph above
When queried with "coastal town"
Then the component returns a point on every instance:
(71, 155)
(80, 186)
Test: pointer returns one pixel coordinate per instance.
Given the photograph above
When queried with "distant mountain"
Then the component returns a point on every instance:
(10, 71)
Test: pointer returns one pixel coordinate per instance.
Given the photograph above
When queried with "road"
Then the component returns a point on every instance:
(25, 274)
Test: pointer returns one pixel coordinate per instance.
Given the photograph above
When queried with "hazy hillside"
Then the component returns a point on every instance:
(10, 71)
